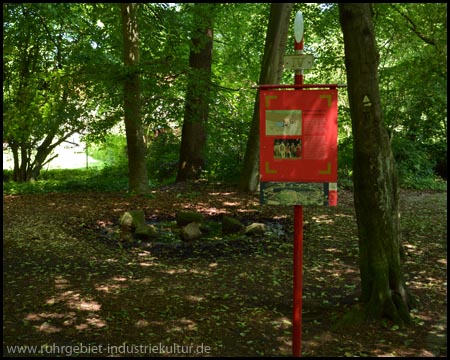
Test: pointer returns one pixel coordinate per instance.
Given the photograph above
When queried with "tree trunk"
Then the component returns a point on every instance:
(137, 166)
(194, 133)
(21, 160)
(42, 153)
(271, 73)
(15, 150)
(375, 180)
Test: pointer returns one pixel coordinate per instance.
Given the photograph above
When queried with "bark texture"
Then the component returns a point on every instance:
(374, 175)
(137, 167)
(194, 132)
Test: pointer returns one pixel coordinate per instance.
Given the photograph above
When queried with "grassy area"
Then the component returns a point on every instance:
(116, 179)
(71, 180)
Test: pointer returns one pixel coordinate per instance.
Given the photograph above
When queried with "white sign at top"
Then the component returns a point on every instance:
(298, 27)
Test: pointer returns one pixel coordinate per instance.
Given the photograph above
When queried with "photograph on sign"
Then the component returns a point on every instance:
(287, 149)
(283, 122)
(289, 193)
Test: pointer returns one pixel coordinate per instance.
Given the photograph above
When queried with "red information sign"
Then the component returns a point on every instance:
(298, 144)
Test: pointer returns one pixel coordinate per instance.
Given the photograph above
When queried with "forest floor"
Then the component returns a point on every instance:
(67, 291)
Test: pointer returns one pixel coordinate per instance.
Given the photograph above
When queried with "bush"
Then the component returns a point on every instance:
(345, 164)
(7, 175)
(162, 157)
(224, 164)
(415, 165)
(73, 180)
(438, 151)
(110, 178)
(112, 151)
(418, 167)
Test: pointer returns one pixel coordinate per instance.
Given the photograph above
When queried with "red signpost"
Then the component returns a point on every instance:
(298, 224)
(298, 163)
(298, 154)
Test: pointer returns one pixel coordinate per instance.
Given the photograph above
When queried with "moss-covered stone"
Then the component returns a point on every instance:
(186, 217)
(146, 232)
(231, 225)
(131, 220)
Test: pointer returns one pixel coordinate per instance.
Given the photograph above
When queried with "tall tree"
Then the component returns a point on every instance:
(271, 72)
(45, 99)
(384, 292)
(194, 133)
(137, 168)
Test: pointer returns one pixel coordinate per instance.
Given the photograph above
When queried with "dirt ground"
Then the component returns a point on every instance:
(67, 291)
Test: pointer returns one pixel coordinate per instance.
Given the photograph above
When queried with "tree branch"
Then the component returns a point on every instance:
(413, 27)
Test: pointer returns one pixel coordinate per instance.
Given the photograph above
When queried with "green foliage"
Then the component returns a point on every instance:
(345, 164)
(415, 165)
(412, 39)
(227, 135)
(48, 94)
(113, 150)
(72, 180)
(162, 156)
(438, 151)
(238, 49)
(66, 73)
(224, 162)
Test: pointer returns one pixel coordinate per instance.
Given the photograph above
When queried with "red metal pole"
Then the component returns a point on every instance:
(298, 281)
(298, 250)
(298, 49)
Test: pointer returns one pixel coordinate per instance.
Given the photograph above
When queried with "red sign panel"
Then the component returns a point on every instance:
(298, 135)
(298, 144)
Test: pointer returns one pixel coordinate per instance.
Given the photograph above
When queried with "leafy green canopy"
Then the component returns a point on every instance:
(63, 72)
(48, 91)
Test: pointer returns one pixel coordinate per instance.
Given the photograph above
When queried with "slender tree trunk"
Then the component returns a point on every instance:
(15, 151)
(24, 160)
(375, 180)
(194, 132)
(137, 166)
(271, 73)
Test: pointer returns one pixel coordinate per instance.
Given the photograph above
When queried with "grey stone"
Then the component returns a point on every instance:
(131, 220)
(255, 229)
(191, 231)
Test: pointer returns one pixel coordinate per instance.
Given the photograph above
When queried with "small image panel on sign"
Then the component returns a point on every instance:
(287, 149)
(283, 122)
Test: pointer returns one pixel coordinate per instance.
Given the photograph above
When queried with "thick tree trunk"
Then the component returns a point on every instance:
(194, 133)
(271, 72)
(137, 166)
(375, 181)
